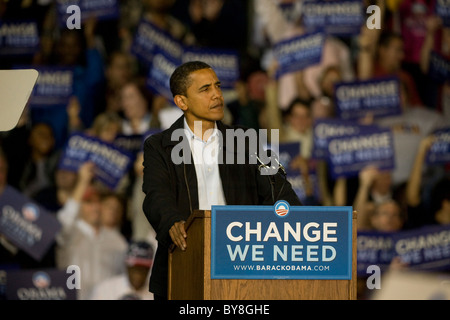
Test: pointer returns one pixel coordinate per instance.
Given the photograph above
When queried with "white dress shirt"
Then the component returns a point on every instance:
(205, 155)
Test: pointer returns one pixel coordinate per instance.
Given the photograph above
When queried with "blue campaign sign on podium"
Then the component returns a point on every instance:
(281, 242)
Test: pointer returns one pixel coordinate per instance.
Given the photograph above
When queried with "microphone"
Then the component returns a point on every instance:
(270, 172)
(280, 166)
(261, 164)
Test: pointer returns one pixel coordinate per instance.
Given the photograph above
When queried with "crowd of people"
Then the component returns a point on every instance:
(110, 98)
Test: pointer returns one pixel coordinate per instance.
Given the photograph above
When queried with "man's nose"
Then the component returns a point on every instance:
(217, 93)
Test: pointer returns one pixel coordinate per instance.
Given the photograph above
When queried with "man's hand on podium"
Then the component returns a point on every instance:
(178, 235)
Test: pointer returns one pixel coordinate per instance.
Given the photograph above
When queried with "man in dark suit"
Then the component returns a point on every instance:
(194, 164)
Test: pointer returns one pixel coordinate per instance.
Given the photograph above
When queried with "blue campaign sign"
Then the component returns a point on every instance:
(299, 52)
(149, 38)
(18, 37)
(131, 143)
(100, 9)
(39, 284)
(26, 224)
(349, 154)
(443, 11)
(380, 97)
(337, 17)
(224, 62)
(374, 248)
(161, 68)
(111, 163)
(439, 67)
(288, 152)
(425, 248)
(324, 129)
(54, 86)
(439, 152)
(281, 242)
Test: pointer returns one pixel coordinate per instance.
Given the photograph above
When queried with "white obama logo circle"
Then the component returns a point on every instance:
(281, 208)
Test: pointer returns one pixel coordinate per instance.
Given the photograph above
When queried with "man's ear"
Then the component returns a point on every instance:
(180, 101)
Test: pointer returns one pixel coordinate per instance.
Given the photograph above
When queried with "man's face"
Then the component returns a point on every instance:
(203, 100)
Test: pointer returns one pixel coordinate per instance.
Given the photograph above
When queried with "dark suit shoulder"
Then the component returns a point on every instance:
(154, 140)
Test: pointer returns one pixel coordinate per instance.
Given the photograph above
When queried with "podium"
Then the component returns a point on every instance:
(189, 274)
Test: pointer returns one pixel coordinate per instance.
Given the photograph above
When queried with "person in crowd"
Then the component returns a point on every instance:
(413, 18)
(107, 126)
(53, 198)
(293, 125)
(375, 189)
(8, 251)
(141, 229)
(42, 162)
(440, 201)
(11, 255)
(133, 283)
(30, 11)
(55, 195)
(332, 191)
(323, 105)
(387, 216)
(75, 49)
(436, 209)
(173, 191)
(304, 83)
(120, 69)
(248, 106)
(139, 115)
(9, 140)
(381, 54)
(408, 128)
(157, 12)
(83, 241)
(209, 23)
(113, 213)
(438, 89)
(389, 58)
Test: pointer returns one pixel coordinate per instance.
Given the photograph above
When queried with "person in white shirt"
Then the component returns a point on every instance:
(97, 250)
(132, 284)
(218, 174)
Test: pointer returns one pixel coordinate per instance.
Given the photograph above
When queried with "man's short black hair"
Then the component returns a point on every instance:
(180, 80)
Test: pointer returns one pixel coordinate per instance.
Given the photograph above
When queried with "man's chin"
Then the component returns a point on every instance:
(216, 115)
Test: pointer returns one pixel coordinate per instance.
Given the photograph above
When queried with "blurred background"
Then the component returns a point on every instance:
(321, 72)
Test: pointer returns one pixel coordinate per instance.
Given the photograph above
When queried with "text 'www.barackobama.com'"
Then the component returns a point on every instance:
(246, 267)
